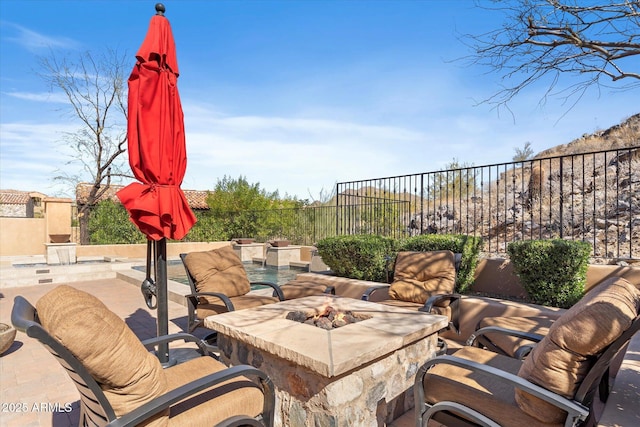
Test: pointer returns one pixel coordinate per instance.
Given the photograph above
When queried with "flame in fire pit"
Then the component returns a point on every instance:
(326, 318)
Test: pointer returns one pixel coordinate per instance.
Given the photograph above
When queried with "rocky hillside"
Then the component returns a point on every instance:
(560, 193)
(623, 135)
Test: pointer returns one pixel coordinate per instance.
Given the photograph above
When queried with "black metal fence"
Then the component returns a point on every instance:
(302, 226)
(593, 197)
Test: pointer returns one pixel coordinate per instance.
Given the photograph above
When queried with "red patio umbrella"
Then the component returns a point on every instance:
(157, 153)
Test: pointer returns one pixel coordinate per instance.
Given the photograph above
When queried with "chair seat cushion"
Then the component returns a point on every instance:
(420, 275)
(237, 397)
(239, 303)
(509, 344)
(484, 393)
(561, 360)
(442, 311)
(219, 270)
(129, 375)
(302, 288)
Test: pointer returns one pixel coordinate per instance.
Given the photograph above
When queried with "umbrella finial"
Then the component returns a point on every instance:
(160, 9)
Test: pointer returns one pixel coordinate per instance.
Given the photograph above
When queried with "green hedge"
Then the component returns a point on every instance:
(362, 257)
(368, 257)
(553, 272)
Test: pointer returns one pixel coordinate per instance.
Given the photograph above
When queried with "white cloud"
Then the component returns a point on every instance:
(57, 97)
(31, 155)
(295, 156)
(37, 42)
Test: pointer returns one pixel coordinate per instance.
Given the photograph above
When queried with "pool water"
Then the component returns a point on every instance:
(255, 272)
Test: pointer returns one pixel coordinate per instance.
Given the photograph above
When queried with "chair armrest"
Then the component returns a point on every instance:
(458, 408)
(504, 331)
(523, 351)
(454, 300)
(576, 411)
(225, 299)
(479, 339)
(428, 305)
(239, 421)
(163, 402)
(277, 292)
(153, 342)
(376, 293)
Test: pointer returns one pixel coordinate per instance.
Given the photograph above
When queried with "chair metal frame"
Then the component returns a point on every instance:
(95, 409)
(453, 298)
(579, 409)
(193, 299)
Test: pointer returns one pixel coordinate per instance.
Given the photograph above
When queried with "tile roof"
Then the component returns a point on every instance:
(197, 199)
(14, 197)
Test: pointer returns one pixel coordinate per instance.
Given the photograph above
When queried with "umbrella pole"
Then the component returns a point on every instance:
(163, 315)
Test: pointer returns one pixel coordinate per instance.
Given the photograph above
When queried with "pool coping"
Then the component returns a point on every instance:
(110, 268)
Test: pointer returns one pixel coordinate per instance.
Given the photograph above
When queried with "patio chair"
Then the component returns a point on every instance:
(562, 382)
(122, 383)
(423, 281)
(219, 284)
(513, 336)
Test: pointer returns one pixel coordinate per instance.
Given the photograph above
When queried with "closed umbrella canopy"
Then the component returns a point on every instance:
(157, 153)
(158, 159)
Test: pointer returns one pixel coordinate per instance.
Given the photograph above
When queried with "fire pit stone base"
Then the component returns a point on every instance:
(375, 393)
(360, 374)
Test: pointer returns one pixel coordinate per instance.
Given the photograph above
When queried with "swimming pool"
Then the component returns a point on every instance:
(255, 272)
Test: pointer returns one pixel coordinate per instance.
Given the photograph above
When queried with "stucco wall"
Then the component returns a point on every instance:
(140, 251)
(22, 236)
(496, 276)
(58, 216)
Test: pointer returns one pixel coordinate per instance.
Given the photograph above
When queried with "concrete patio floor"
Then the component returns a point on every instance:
(36, 391)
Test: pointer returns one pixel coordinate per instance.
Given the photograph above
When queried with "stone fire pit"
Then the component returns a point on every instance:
(358, 374)
(326, 318)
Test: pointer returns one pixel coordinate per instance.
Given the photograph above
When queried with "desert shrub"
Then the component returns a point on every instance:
(361, 257)
(109, 224)
(553, 272)
(468, 246)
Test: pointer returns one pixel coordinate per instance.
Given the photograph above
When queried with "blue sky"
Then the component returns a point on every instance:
(296, 95)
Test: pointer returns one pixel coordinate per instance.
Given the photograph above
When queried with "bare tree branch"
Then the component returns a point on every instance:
(576, 46)
(95, 86)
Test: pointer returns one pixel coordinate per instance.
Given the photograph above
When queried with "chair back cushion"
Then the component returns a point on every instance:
(128, 374)
(219, 270)
(563, 358)
(420, 275)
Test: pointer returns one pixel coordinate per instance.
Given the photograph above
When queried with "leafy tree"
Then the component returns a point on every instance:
(109, 224)
(245, 210)
(592, 42)
(524, 153)
(95, 86)
(206, 229)
(455, 181)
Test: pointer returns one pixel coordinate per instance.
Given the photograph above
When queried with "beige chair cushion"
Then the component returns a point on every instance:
(129, 375)
(219, 270)
(486, 394)
(509, 344)
(420, 275)
(240, 396)
(561, 360)
(239, 303)
(300, 288)
(442, 311)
